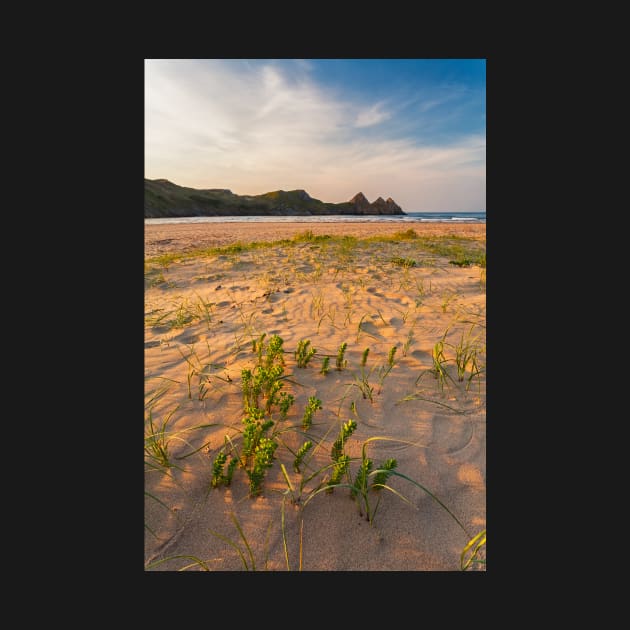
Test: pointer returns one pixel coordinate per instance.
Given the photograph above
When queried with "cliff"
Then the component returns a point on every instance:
(162, 198)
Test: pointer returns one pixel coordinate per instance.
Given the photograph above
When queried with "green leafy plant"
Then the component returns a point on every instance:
(311, 407)
(286, 402)
(404, 262)
(262, 460)
(340, 460)
(301, 454)
(304, 353)
(221, 475)
(362, 485)
(255, 429)
(258, 347)
(217, 469)
(340, 361)
(325, 366)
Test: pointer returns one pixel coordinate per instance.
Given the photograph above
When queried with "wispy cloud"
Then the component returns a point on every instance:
(372, 116)
(256, 127)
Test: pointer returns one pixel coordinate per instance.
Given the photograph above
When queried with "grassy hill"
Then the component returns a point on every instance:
(162, 198)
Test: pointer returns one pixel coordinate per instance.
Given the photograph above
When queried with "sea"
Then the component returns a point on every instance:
(409, 217)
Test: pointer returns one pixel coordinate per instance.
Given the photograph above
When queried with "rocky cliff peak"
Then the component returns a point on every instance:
(360, 202)
(392, 205)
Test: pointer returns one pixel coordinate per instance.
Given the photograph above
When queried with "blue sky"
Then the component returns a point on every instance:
(410, 129)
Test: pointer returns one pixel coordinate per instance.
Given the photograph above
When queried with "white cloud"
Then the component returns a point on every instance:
(371, 116)
(255, 129)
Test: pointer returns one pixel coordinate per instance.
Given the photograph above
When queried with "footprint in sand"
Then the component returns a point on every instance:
(187, 338)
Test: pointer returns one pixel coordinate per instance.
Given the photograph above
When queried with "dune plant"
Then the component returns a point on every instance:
(262, 460)
(301, 454)
(340, 460)
(266, 379)
(311, 407)
(274, 351)
(325, 366)
(439, 361)
(304, 353)
(403, 262)
(154, 278)
(466, 356)
(347, 320)
(447, 298)
(364, 357)
(200, 369)
(386, 369)
(420, 295)
(362, 381)
(256, 426)
(156, 441)
(369, 478)
(317, 305)
(182, 317)
(222, 475)
(340, 361)
(285, 403)
(300, 465)
(217, 469)
(407, 343)
(250, 396)
(260, 430)
(331, 313)
(205, 309)
(258, 347)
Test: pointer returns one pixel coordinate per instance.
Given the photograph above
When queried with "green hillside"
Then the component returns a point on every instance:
(162, 198)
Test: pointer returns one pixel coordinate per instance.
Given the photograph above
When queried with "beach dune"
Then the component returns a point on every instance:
(210, 316)
(164, 238)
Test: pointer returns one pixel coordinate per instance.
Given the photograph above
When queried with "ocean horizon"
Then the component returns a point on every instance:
(409, 217)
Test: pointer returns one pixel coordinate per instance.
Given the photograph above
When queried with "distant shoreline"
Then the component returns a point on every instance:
(184, 237)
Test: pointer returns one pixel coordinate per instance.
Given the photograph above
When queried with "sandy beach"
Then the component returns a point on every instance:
(161, 239)
(210, 317)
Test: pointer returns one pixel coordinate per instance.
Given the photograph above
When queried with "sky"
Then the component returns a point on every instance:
(410, 129)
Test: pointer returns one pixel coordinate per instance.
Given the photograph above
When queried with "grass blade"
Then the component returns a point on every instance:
(232, 544)
(240, 531)
(479, 540)
(194, 558)
(158, 500)
(284, 537)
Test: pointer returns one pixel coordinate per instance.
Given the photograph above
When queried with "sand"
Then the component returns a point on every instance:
(201, 315)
